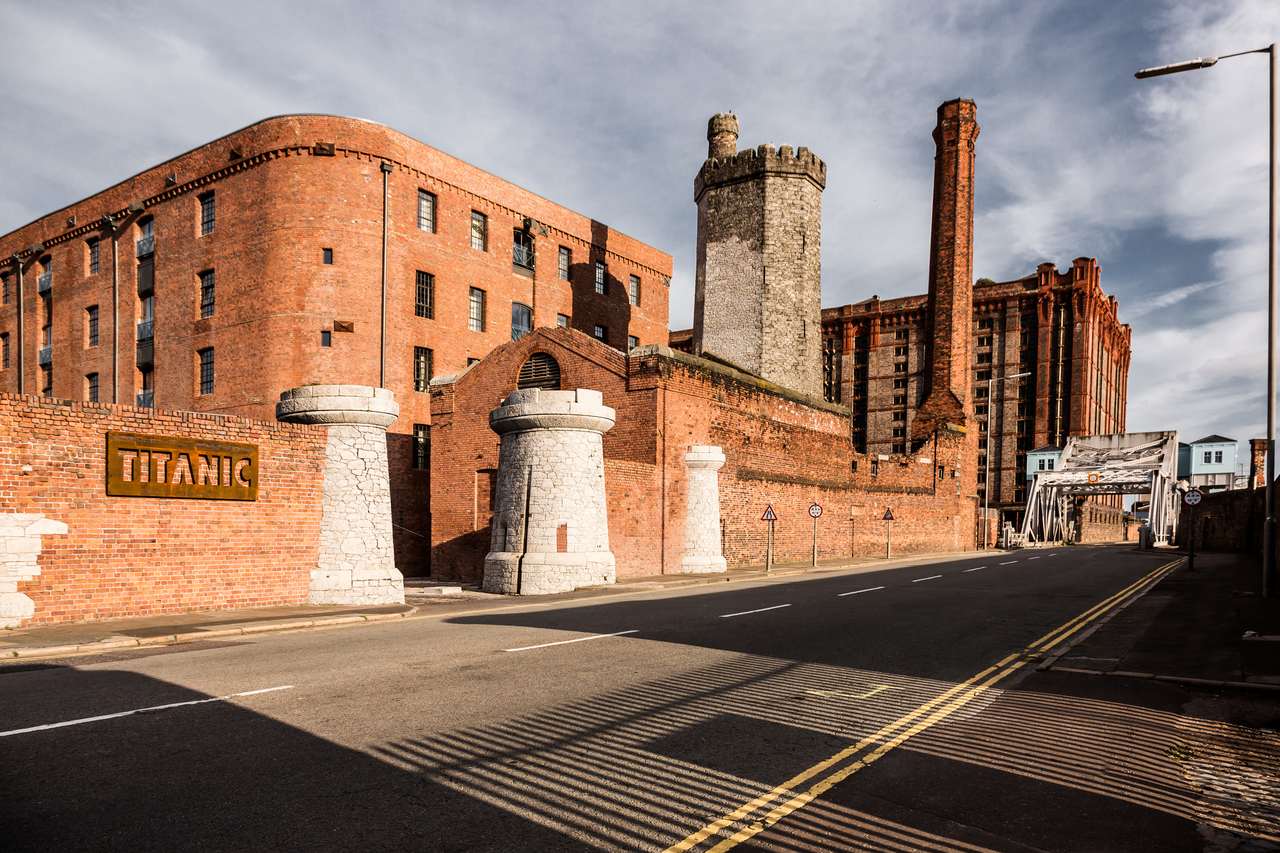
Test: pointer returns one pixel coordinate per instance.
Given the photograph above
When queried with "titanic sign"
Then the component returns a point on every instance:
(161, 466)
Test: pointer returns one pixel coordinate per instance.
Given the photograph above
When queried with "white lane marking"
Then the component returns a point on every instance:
(975, 569)
(930, 578)
(1054, 554)
(749, 612)
(574, 640)
(859, 591)
(84, 720)
(1033, 558)
(1008, 562)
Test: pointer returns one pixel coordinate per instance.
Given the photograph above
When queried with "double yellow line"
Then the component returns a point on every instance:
(893, 734)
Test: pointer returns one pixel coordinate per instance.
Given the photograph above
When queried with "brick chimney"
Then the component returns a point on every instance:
(1257, 463)
(949, 374)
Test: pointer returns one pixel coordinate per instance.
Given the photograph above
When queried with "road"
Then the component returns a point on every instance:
(896, 709)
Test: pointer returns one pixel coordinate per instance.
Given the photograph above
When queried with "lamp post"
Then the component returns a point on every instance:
(1269, 526)
(986, 477)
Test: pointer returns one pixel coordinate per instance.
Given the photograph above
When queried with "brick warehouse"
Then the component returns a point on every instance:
(259, 262)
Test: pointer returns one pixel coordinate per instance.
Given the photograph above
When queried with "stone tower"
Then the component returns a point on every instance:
(758, 296)
(948, 376)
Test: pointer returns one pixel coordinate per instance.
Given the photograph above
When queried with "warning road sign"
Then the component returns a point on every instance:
(815, 510)
(769, 514)
(888, 514)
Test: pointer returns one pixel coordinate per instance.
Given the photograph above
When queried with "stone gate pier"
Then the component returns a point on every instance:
(356, 564)
(703, 551)
(550, 525)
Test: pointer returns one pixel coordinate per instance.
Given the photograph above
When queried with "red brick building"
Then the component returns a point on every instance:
(309, 249)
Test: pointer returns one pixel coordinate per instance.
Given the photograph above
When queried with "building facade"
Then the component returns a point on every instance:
(1058, 328)
(1211, 463)
(309, 249)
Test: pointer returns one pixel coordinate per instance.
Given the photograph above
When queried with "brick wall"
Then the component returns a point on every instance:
(125, 556)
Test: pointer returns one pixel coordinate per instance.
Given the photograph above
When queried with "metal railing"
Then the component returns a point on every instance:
(146, 246)
(44, 283)
(46, 356)
(146, 330)
(522, 255)
(146, 399)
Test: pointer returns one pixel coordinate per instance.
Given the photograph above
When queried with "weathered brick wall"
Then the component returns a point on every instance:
(127, 556)
(1226, 521)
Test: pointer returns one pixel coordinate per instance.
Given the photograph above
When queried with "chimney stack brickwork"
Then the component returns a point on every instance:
(758, 295)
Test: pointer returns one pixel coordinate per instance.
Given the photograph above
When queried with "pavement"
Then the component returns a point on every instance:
(878, 708)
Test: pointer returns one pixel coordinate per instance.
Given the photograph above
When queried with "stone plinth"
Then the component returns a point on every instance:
(702, 544)
(550, 526)
(356, 563)
(19, 551)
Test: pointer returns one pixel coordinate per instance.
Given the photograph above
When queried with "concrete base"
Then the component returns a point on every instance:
(703, 565)
(545, 574)
(356, 586)
(19, 551)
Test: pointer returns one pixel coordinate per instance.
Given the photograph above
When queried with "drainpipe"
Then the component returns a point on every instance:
(382, 334)
(22, 307)
(110, 224)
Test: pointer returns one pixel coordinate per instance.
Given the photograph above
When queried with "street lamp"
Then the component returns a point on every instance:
(986, 477)
(1269, 526)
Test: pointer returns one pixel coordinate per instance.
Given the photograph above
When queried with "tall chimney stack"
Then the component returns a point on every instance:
(948, 399)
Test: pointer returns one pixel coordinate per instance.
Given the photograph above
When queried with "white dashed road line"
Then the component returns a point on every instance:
(574, 640)
(930, 578)
(1008, 562)
(152, 709)
(858, 591)
(975, 569)
(1033, 558)
(749, 612)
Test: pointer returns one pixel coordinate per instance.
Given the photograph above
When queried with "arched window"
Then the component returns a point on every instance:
(521, 320)
(540, 371)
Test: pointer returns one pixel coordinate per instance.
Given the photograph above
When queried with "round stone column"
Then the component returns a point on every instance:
(357, 563)
(702, 545)
(550, 524)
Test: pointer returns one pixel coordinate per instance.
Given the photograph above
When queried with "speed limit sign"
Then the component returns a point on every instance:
(814, 510)
(1192, 497)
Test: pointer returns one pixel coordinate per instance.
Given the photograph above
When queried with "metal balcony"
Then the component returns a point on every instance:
(46, 356)
(147, 246)
(146, 399)
(146, 330)
(522, 256)
(44, 283)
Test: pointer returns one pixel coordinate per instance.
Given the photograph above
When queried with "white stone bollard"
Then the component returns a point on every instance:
(357, 562)
(550, 524)
(19, 551)
(702, 546)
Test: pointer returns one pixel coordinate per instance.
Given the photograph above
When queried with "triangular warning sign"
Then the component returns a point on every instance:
(888, 514)
(769, 514)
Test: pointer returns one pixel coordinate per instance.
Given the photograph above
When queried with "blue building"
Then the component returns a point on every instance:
(1210, 463)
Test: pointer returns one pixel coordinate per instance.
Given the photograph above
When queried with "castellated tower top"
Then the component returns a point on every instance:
(722, 136)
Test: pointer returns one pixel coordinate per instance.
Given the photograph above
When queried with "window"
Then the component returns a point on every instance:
(4, 350)
(475, 318)
(540, 371)
(899, 432)
(602, 282)
(987, 323)
(426, 211)
(900, 367)
(1051, 461)
(46, 380)
(46, 325)
(424, 298)
(632, 342)
(1217, 456)
(521, 320)
(1208, 456)
(1041, 465)
(522, 248)
(899, 447)
(984, 357)
(566, 261)
(91, 387)
(326, 338)
(206, 294)
(421, 446)
(901, 334)
(479, 231)
(206, 370)
(562, 320)
(984, 340)
(91, 326)
(899, 383)
(633, 290)
(423, 368)
(899, 352)
(207, 213)
(899, 399)
(984, 375)
(326, 255)
(94, 262)
(900, 416)
(5, 293)
(600, 333)
(980, 392)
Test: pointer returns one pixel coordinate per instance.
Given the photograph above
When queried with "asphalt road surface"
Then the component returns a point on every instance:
(896, 709)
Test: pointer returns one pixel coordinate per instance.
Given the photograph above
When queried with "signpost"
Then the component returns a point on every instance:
(888, 522)
(815, 512)
(1192, 499)
(769, 516)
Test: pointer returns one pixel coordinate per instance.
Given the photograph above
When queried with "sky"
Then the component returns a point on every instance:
(602, 106)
